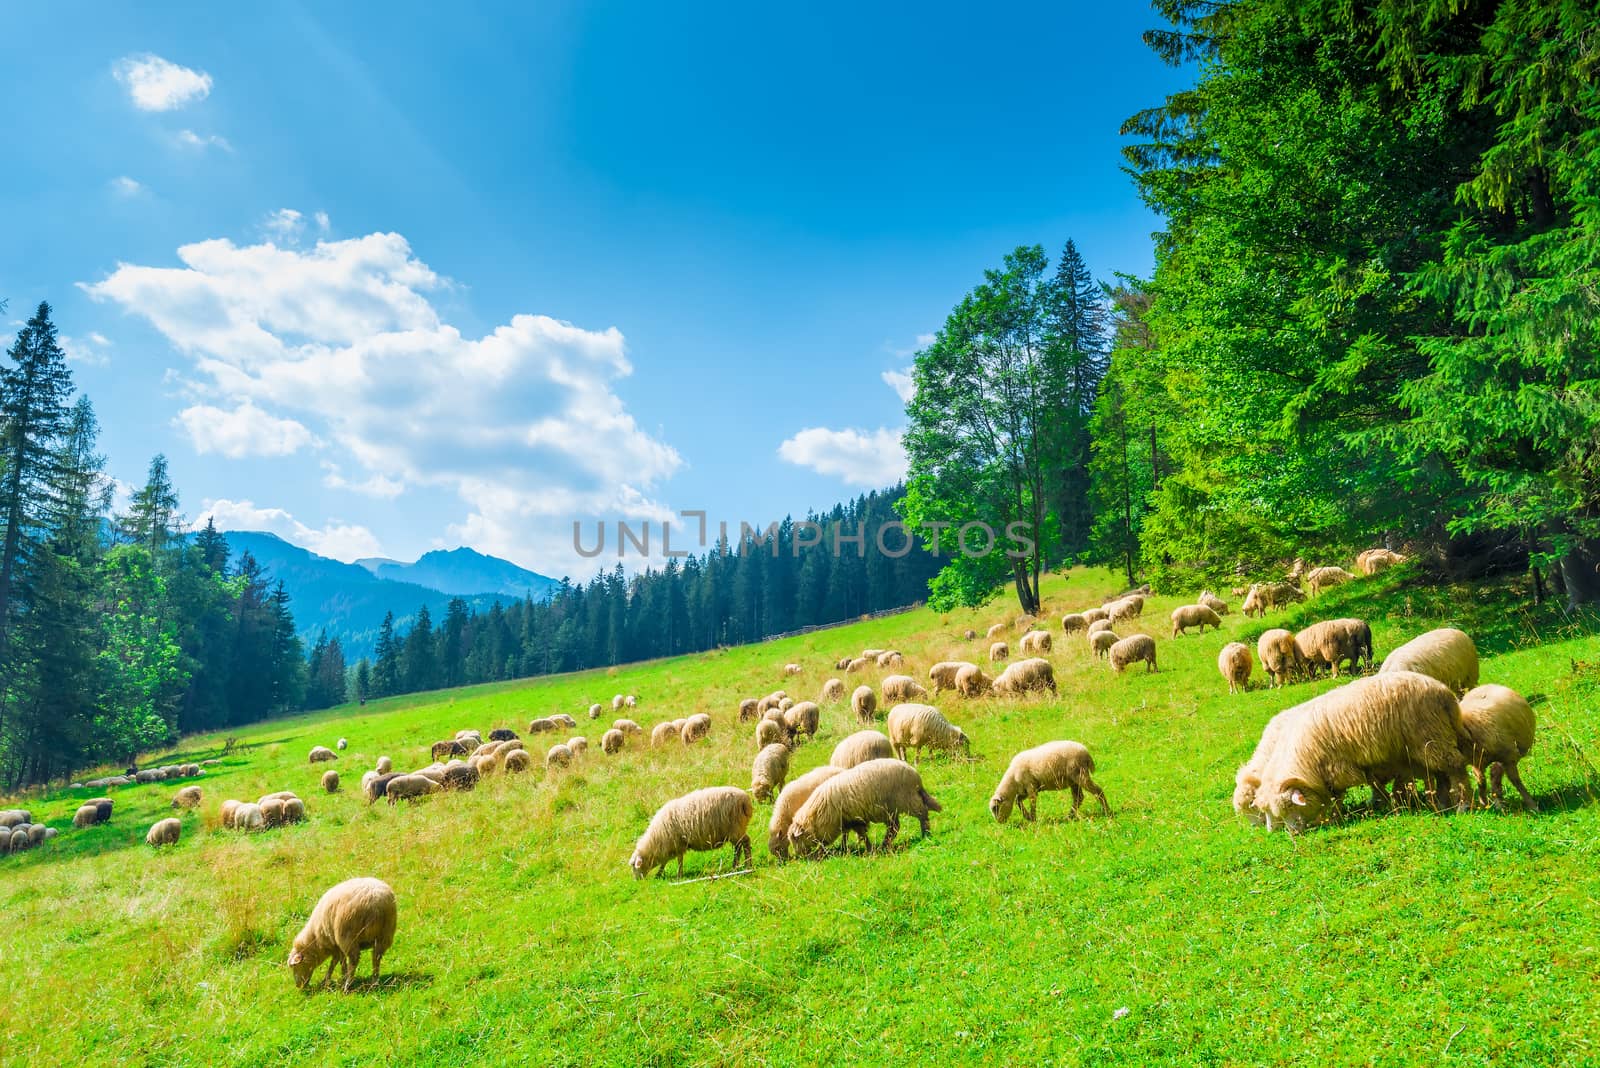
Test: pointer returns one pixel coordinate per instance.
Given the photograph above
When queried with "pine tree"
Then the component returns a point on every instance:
(386, 677)
(153, 513)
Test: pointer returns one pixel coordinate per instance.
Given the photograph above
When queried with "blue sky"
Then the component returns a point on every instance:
(382, 279)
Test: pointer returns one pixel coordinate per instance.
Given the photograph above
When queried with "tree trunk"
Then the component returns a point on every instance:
(1580, 573)
(1027, 593)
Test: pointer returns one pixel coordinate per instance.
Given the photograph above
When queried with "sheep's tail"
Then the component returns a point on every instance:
(928, 799)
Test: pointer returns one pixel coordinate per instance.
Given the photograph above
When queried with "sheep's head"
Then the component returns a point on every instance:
(963, 743)
(303, 963)
(637, 863)
(1294, 805)
(1000, 807)
(778, 845)
(802, 841)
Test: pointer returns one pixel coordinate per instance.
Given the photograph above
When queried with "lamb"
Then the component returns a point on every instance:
(748, 710)
(385, 765)
(1051, 766)
(943, 674)
(611, 742)
(1369, 731)
(330, 782)
(1213, 602)
(627, 726)
(999, 651)
(464, 777)
(344, 743)
(914, 727)
(518, 761)
(695, 728)
(1132, 649)
(1234, 662)
(865, 704)
(790, 800)
(594, 710)
(541, 725)
(1333, 641)
(355, 915)
(1096, 627)
(1025, 676)
(662, 733)
(294, 810)
(1325, 578)
(832, 692)
(996, 631)
(1073, 622)
(879, 791)
(769, 771)
(1500, 727)
(859, 748)
(899, 688)
(409, 787)
(1035, 642)
(1194, 615)
(188, 797)
(1445, 654)
(791, 669)
(860, 663)
(769, 732)
(802, 718)
(559, 756)
(1376, 561)
(506, 734)
(1280, 656)
(1102, 641)
(248, 818)
(702, 820)
(320, 753)
(1254, 603)
(972, 682)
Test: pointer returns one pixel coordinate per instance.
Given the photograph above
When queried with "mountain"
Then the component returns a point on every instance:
(349, 600)
(464, 572)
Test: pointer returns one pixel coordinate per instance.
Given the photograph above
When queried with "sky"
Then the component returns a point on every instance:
(388, 278)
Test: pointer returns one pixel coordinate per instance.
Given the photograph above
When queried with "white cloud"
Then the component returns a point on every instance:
(321, 218)
(90, 349)
(190, 139)
(284, 224)
(244, 431)
(372, 486)
(859, 457)
(338, 539)
(156, 84)
(901, 383)
(341, 339)
(123, 186)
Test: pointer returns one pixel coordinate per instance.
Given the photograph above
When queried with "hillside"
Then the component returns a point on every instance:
(523, 937)
(464, 572)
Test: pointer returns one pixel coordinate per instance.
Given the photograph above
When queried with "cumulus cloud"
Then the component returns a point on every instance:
(284, 224)
(92, 349)
(860, 457)
(343, 341)
(338, 539)
(372, 486)
(190, 139)
(245, 430)
(901, 383)
(123, 186)
(156, 84)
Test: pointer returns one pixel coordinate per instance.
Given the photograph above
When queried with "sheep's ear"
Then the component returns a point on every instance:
(1297, 797)
(295, 957)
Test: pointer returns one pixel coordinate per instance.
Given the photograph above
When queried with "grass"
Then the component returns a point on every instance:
(525, 939)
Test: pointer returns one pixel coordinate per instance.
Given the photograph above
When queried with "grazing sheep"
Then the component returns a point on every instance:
(1234, 662)
(891, 659)
(344, 743)
(409, 787)
(627, 726)
(832, 692)
(506, 734)
(1102, 641)
(39, 833)
(996, 631)
(1093, 614)
(1333, 641)
(541, 725)
(865, 704)
(611, 742)
(86, 816)
(464, 777)
(843, 662)
(899, 688)
(695, 728)
(435, 772)
(630, 701)
(1073, 622)
(1035, 642)
(770, 732)
(21, 837)
(1325, 578)
(969, 634)
(578, 744)
(860, 663)
(879, 791)
(294, 810)
(1096, 627)
(790, 800)
(1025, 676)
(859, 748)
(972, 682)
(999, 651)
(378, 785)
(1051, 766)
(748, 710)
(453, 747)
(914, 727)
(271, 811)
(227, 812)
(188, 797)
(769, 771)
(355, 915)
(943, 674)
(1374, 729)
(1376, 561)
(1254, 603)
(1194, 615)
(616, 702)
(594, 710)
(703, 820)
(330, 782)
(514, 762)
(791, 669)
(1277, 594)
(248, 818)
(1280, 656)
(1248, 778)
(1213, 602)
(384, 766)
(662, 733)
(559, 756)
(1445, 654)
(1500, 727)
(320, 753)
(471, 737)
(802, 718)
(1131, 650)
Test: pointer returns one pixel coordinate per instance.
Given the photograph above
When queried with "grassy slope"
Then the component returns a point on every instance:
(524, 938)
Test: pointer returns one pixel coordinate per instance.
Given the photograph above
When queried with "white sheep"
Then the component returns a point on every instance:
(865, 704)
(999, 651)
(859, 748)
(1035, 642)
(1325, 578)
(1445, 654)
(1051, 766)
(1280, 656)
(330, 782)
(627, 726)
(663, 733)
(188, 797)
(559, 756)
(790, 800)
(802, 718)
(1131, 650)
(791, 669)
(1234, 663)
(770, 732)
(898, 688)
(1194, 615)
(611, 741)
(769, 771)
(409, 787)
(913, 727)
(1026, 676)
(356, 914)
(972, 682)
(702, 820)
(1213, 602)
(247, 817)
(595, 710)
(1073, 622)
(164, 832)
(1332, 642)
(695, 728)
(1102, 641)
(384, 765)
(832, 692)
(1500, 727)
(879, 791)
(344, 743)
(320, 753)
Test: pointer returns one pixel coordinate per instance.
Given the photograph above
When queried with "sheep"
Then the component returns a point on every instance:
(611, 742)
(1102, 641)
(695, 728)
(995, 631)
(1445, 654)
(1073, 622)
(791, 669)
(453, 747)
(271, 811)
(999, 651)
(891, 659)
(1376, 561)
(702, 820)
(790, 800)
(86, 816)
(802, 718)
(377, 786)
(1092, 614)
(943, 674)
(630, 701)
(38, 833)
(1325, 578)
(541, 725)
(769, 771)
(1369, 731)
(860, 663)
(913, 727)
(900, 688)
(506, 734)
(1247, 780)
(627, 726)
(616, 702)
(578, 744)
(1276, 594)
(1500, 727)
(1194, 615)
(1131, 650)
(1333, 641)
(969, 634)
(859, 748)
(1213, 602)
(1234, 663)
(842, 663)
(320, 753)
(865, 704)
(520, 760)
(1051, 766)
(330, 782)
(1096, 627)
(972, 682)
(294, 810)
(1125, 609)
(385, 765)
(559, 756)
(248, 818)
(464, 777)
(1280, 656)
(434, 771)
(147, 775)
(409, 787)
(188, 797)
(103, 806)
(594, 710)
(1025, 676)
(227, 812)
(832, 692)
(470, 736)
(662, 733)
(748, 710)
(770, 731)
(355, 915)
(879, 791)
(1035, 642)
(1254, 603)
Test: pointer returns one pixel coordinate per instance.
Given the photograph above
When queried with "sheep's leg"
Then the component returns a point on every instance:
(1077, 800)
(377, 961)
(1527, 795)
(893, 828)
(1482, 793)
(1093, 788)
(333, 962)
(352, 965)
(680, 865)
(1380, 800)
